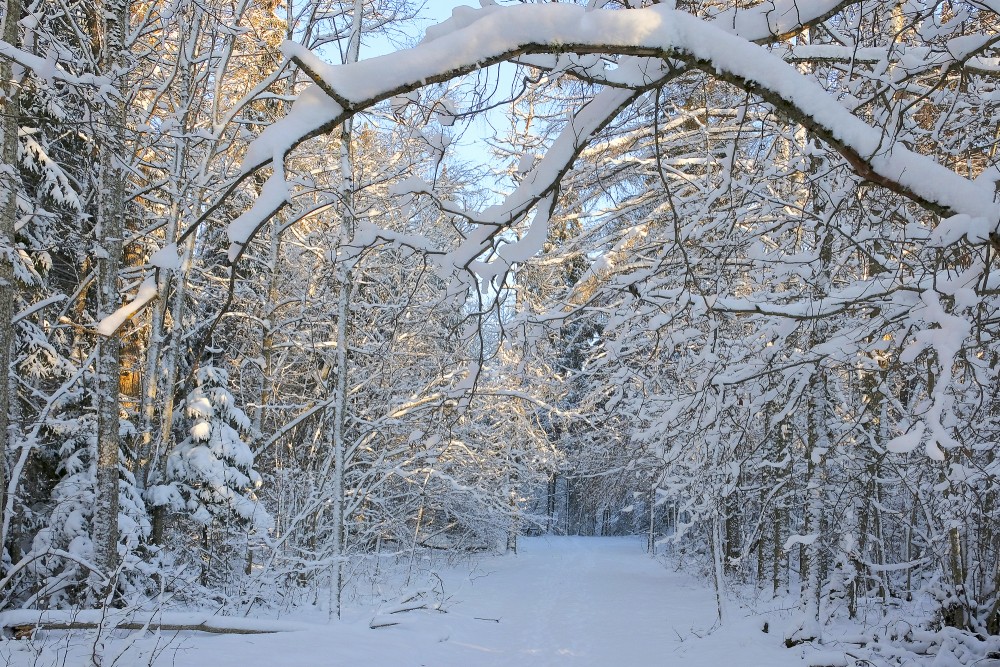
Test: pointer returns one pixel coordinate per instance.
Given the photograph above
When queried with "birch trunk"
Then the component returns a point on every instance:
(343, 315)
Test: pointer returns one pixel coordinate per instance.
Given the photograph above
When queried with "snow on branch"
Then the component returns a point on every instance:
(46, 68)
(147, 292)
(727, 47)
(778, 20)
(538, 184)
(962, 52)
(504, 33)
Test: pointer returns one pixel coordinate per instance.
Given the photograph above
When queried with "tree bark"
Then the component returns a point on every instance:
(110, 22)
(10, 111)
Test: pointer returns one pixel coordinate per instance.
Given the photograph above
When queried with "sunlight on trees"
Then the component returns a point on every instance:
(723, 276)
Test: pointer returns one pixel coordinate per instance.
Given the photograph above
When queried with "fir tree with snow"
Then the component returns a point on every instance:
(210, 474)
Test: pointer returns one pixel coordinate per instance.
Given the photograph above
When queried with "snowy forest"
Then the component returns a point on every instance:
(297, 293)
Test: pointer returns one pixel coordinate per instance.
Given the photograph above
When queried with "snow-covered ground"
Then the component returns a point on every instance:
(574, 601)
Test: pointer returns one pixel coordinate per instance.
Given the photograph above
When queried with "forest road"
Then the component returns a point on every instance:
(560, 602)
(584, 601)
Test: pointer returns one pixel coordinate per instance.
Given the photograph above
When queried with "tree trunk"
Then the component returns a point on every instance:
(110, 20)
(343, 315)
(651, 543)
(10, 110)
(718, 564)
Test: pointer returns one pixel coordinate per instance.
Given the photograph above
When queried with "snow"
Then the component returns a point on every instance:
(476, 38)
(199, 406)
(913, 58)
(908, 441)
(201, 430)
(273, 196)
(575, 601)
(951, 230)
(799, 539)
(946, 339)
(773, 18)
(166, 257)
(533, 239)
(827, 659)
(46, 68)
(147, 292)
(410, 185)
(579, 601)
(311, 111)
(446, 113)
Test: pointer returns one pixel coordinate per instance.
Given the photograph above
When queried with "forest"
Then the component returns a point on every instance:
(294, 289)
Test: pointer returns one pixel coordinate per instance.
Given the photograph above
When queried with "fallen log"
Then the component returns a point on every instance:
(23, 622)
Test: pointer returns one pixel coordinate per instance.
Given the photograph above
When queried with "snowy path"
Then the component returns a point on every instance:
(573, 601)
(563, 601)
(585, 601)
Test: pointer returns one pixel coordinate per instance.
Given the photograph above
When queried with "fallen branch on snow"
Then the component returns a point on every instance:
(409, 602)
(23, 622)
